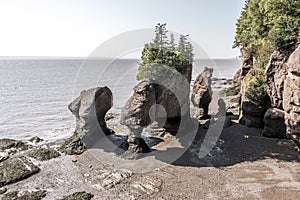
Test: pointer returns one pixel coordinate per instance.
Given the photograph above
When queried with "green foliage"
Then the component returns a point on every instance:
(154, 72)
(256, 87)
(161, 38)
(172, 42)
(284, 34)
(163, 54)
(268, 25)
(185, 48)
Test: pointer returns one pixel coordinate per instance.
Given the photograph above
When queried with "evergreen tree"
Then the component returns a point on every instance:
(182, 44)
(266, 26)
(172, 45)
(185, 48)
(161, 38)
(268, 21)
(189, 52)
(162, 55)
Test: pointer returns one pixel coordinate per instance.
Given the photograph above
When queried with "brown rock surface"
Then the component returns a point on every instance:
(16, 169)
(251, 115)
(164, 99)
(27, 195)
(275, 75)
(291, 96)
(274, 123)
(202, 92)
(135, 113)
(89, 109)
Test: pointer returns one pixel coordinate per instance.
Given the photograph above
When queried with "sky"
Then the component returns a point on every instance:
(75, 28)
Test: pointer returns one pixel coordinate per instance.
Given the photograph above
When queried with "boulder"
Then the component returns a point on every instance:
(28, 195)
(252, 115)
(35, 140)
(16, 169)
(12, 145)
(78, 196)
(43, 154)
(274, 124)
(89, 109)
(202, 92)
(291, 96)
(275, 75)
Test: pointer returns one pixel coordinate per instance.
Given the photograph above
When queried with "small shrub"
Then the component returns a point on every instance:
(256, 87)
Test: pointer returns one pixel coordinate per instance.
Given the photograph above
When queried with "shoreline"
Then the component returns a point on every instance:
(237, 167)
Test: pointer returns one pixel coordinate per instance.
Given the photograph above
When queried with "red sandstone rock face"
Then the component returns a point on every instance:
(170, 92)
(136, 111)
(275, 76)
(202, 92)
(291, 95)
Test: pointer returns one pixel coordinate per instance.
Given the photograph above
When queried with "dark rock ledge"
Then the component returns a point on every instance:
(16, 169)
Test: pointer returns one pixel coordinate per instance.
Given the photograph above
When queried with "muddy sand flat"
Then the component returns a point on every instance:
(238, 167)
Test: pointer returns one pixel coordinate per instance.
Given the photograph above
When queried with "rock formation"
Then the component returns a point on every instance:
(171, 93)
(274, 123)
(291, 96)
(89, 109)
(283, 88)
(43, 154)
(202, 92)
(135, 115)
(247, 64)
(188, 72)
(15, 169)
(251, 114)
(274, 76)
(28, 195)
(237, 79)
(79, 196)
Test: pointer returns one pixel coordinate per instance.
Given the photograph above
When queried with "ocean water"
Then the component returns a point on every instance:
(35, 93)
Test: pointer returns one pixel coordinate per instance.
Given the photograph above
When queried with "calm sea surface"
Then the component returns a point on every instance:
(34, 94)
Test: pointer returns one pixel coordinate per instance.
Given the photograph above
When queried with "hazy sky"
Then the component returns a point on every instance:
(77, 27)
